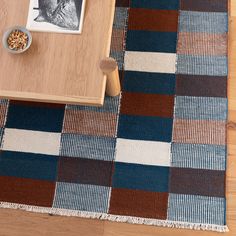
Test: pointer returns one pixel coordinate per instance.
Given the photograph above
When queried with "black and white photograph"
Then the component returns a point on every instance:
(60, 16)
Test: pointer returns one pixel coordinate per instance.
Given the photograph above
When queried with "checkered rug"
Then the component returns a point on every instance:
(155, 155)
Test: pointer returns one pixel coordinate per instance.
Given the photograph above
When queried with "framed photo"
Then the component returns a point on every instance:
(59, 16)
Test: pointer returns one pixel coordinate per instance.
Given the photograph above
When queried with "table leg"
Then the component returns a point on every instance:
(110, 69)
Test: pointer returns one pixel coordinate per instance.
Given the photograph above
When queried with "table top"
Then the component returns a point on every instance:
(58, 68)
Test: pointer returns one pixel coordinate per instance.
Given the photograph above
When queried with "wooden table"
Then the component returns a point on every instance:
(60, 68)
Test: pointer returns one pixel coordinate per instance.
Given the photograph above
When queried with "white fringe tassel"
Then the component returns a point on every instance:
(117, 218)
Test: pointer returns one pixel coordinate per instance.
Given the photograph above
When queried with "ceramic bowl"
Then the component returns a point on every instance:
(8, 32)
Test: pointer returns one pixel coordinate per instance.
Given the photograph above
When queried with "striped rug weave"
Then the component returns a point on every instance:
(156, 154)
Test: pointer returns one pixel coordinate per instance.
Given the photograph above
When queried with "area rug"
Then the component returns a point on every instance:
(155, 155)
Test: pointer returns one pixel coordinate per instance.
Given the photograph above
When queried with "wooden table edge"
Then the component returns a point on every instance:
(36, 97)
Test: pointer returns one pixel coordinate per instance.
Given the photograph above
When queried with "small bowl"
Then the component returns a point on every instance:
(8, 32)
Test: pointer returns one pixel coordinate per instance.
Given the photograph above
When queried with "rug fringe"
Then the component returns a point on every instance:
(115, 218)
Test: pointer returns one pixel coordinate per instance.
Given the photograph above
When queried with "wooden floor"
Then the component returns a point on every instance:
(20, 223)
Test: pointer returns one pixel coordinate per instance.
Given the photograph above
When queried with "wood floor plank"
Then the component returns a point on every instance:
(21, 223)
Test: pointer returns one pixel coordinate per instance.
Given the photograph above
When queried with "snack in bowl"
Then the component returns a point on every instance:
(17, 40)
